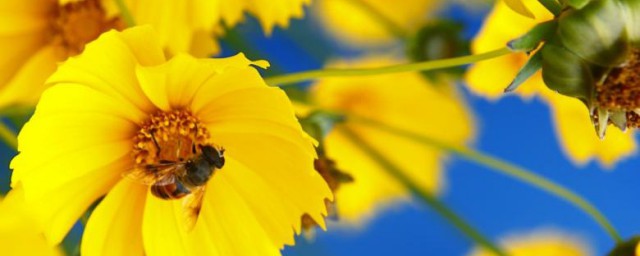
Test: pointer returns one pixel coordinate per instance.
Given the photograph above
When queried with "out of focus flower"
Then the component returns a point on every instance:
(372, 22)
(191, 26)
(405, 101)
(491, 77)
(19, 233)
(37, 34)
(206, 133)
(540, 243)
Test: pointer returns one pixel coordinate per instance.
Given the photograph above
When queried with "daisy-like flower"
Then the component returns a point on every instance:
(573, 126)
(19, 234)
(362, 22)
(540, 243)
(191, 26)
(37, 34)
(412, 104)
(192, 156)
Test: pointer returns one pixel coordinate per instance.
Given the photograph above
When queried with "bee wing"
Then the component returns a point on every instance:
(151, 174)
(191, 205)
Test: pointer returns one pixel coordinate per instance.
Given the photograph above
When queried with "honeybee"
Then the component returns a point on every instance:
(185, 178)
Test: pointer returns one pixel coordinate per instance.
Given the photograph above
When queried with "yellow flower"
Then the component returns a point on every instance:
(357, 22)
(121, 120)
(190, 26)
(37, 34)
(18, 232)
(405, 101)
(573, 126)
(540, 243)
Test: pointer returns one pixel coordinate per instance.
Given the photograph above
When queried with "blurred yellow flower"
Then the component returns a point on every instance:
(120, 109)
(19, 234)
(37, 34)
(191, 26)
(573, 126)
(540, 243)
(406, 101)
(362, 22)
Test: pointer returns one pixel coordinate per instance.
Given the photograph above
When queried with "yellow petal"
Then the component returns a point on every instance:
(113, 62)
(163, 232)
(32, 15)
(19, 232)
(519, 7)
(351, 23)
(489, 78)
(27, 84)
(540, 243)
(578, 138)
(115, 226)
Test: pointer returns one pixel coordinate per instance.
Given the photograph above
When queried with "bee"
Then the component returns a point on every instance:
(182, 179)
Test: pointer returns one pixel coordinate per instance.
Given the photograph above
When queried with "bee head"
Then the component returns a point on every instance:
(213, 155)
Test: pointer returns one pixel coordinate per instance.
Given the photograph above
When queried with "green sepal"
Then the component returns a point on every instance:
(631, 15)
(566, 73)
(626, 248)
(319, 123)
(596, 33)
(619, 119)
(532, 39)
(531, 67)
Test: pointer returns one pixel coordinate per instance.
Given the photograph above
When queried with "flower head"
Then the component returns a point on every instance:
(489, 78)
(47, 33)
(540, 243)
(412, 104)
(195, 156)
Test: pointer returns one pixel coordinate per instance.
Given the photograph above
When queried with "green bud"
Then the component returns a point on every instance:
(438, 40)
(626, 248)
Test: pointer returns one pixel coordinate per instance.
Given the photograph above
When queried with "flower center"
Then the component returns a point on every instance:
(78, 23)
(620, 90)
(168, 137)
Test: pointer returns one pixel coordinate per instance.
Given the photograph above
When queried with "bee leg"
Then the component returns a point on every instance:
(155, 142)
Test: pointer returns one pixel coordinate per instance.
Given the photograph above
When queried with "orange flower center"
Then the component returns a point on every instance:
(620, 90)
(78, 23)
(168, 136)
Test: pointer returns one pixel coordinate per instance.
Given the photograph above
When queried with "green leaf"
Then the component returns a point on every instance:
(519, 7)
(532, 39)
(531, 67)
(577, 4)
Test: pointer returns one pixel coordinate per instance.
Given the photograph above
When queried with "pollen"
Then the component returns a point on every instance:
(78, 23)
(620, 90)
(168, 136)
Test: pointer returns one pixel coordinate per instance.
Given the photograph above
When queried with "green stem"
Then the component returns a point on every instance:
(8, 136)
(419, 66)
(125, 13)
(504, 168)
(390, 25)
(426, 196)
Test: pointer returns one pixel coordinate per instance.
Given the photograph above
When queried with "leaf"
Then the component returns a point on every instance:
(577, 4)
(531, 67)
(519, 7)
(532, 39)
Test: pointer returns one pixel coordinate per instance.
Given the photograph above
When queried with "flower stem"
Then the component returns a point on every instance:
(419, 66)
(426, 196)
(8, 136)
(125, 13)
(504, 168)
(390, 25)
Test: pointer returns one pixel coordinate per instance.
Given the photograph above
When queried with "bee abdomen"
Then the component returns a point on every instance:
(169, 191)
